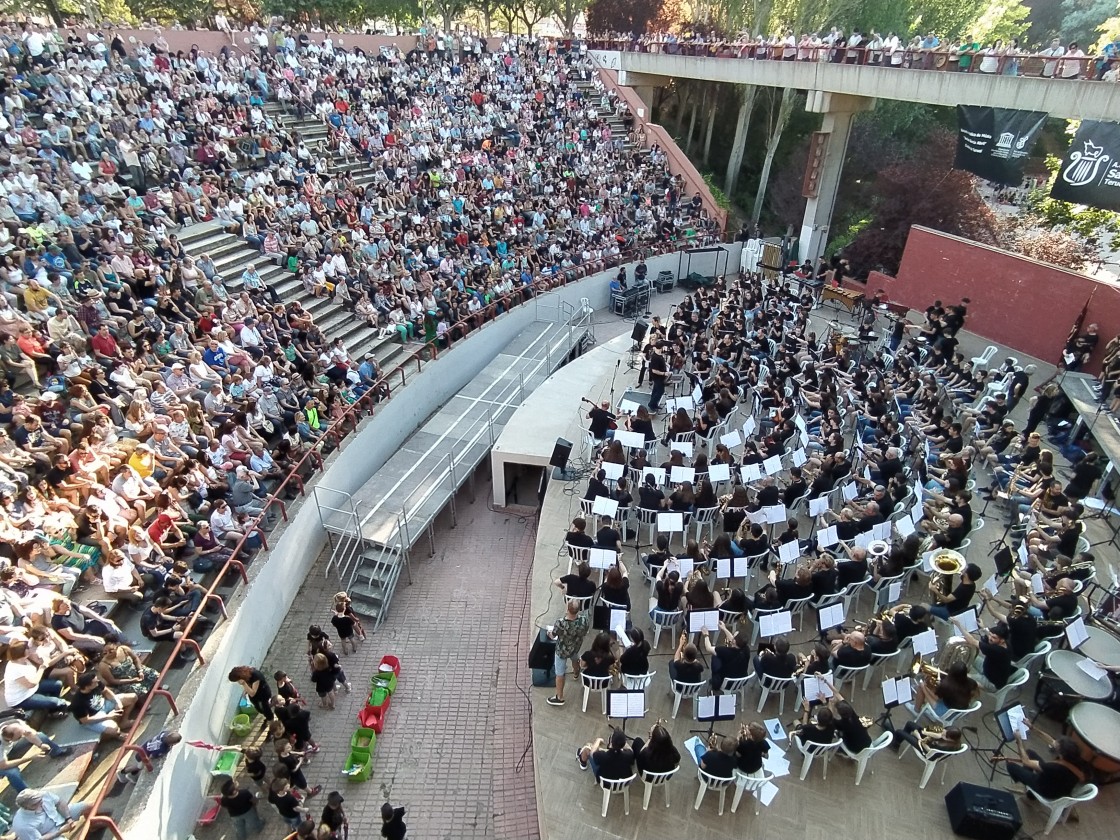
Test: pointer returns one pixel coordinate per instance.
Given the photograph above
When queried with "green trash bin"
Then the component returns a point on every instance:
(241, 726)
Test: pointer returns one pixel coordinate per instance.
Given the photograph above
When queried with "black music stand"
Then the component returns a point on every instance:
(712, 708)
(1006, 734)
(625, 704)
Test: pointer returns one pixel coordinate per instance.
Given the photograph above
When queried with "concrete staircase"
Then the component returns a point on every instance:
(232, 255)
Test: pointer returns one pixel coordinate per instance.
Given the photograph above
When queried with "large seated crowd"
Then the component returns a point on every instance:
(149, 405)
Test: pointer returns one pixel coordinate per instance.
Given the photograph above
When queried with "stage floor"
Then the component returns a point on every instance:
(569, 802)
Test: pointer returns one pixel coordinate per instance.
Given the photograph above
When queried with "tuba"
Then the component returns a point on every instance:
(945, 564)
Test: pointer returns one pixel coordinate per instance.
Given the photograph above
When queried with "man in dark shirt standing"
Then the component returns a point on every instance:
(241, 805)
(658, 375)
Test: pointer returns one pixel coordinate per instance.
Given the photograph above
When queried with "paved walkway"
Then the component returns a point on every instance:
(456, 752)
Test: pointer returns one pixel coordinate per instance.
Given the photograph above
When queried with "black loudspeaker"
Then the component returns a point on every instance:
(982, 813)
(560, 454)
(639, 332)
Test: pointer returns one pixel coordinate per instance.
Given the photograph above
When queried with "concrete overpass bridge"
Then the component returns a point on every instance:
(839, 91)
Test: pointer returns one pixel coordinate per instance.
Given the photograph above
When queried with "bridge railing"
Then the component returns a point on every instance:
(944, 58)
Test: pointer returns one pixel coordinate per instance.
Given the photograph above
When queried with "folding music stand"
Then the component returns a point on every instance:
(712, 708)
(626, 704)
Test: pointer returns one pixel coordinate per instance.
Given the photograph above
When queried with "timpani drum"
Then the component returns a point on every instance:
(1063, 684)
(1102, 646)
(1095, 728)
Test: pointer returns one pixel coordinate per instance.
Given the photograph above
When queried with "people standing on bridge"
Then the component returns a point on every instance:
(1052, 54)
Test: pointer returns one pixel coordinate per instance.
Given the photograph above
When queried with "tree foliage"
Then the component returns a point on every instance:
(1081, 19)
(630, 16)
(927, 191)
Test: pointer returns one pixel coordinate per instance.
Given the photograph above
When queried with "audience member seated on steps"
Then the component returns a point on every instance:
(42, 815)
(96, 707)
(20, 745)
(26, 687)
(82, 628)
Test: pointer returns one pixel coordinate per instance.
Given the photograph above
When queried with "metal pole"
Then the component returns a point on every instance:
(454, 487)
(431, 542)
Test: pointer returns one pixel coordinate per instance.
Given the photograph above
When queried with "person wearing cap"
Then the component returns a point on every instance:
(41, 815)
(334, 818)
(392, 822)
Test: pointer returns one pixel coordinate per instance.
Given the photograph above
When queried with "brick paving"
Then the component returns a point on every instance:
(456, 751)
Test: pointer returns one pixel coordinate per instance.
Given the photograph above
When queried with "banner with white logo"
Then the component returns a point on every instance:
(1090, 173)
(994, 143)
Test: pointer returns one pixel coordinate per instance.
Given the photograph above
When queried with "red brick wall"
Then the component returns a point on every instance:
(1016, 302)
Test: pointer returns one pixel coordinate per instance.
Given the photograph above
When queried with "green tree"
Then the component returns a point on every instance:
(566, 12)
(1095, 227)
(631, 16)
(1082, 18)
(1001, 20)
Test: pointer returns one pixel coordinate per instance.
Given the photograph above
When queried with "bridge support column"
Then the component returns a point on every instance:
(645, 86)
(838, 110)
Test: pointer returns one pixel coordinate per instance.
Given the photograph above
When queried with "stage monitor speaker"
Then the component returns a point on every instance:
(982, 813)
(560, 454)
(639, 332)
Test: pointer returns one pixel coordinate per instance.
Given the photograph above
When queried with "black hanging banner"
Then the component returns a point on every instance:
(995, 142)
(1090, 173)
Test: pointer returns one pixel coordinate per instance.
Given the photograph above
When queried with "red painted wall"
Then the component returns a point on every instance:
(1016, 302)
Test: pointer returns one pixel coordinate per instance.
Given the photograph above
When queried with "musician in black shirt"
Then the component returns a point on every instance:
(614, 762)
(731, 660)
(659, 754)
(721, 762)
(1049, 779)
(579, 585)
(995, 667)
(752, 749)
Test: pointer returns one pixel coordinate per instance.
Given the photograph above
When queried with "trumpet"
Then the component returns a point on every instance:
(930, 674)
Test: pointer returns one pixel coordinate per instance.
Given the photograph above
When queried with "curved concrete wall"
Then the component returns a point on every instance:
(207, 701)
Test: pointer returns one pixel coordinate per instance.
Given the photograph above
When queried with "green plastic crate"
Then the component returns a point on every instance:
(241, 725)
(364, 740)
(226, 763)
(378, 696)
(384, 679)
(358, 766)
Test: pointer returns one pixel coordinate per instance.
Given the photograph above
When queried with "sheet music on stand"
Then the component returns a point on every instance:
(772, 465)
(897, 691)
(968, 621)
(719, 472)
(613, 472)
(849, 492)
(751, 472)
(749, 427)
(602, 558)
(659, 475)
(831, 616)
(670, 523)
(682, 446)
(925, 644)
(627, 407)
(679, 475)
(789, 552)
(1076, 633)
(775, 514)
(716, 707)
(631, 440)
(818, 506)
(827, 537)
(729, 567)
(626, 704)
(814, 687)
(894, 592)
(756, 517)
(703, 620)
(991, 586)
(798, 458)
(881, 531)
(904, 526)
(775, 624)
(684, 566)
(604, 506)
(731, 439)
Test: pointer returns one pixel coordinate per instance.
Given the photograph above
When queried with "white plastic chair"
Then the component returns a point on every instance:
(613, 786)
(951, 717)
(1040, 650)
(663, 620)
(931, 760)
(577, 554)
(811, 752)
(652, 780)
(877, 660)
(600, 684)
(775, 684)
(637, 682)
(745, 782)
(685, 691)
(737, 685)
(797, 606)
(851, 593)
(648, 518)
(1017, 680)
(714, 783)
(585, 507)
(705, 518)
(844, 674)
(981, 362)
(863, 756)
(1060, 808)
